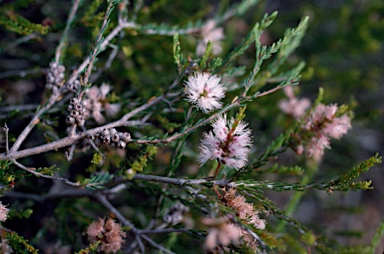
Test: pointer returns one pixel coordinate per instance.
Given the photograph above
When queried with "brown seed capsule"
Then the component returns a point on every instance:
(126, 137)
(112, 131)
(74, 113)
(80, 120)
(122, 144)
(97, 142)
(78, 107)
(70, 120)
(115, 138)
(107, 139)
(105, 132)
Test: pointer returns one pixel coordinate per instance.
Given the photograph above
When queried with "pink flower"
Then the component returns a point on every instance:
(338, 127)
(108, 232)
(322, 125)
(293, 106)
(205, 91)
(96, 102)
(316, 147)
(221, 233)
(229, 143)
(3, 212)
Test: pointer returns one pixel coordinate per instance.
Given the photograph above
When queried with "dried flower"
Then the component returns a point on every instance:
(229, 143)
(293, 106)
(3, 212)
(205, 91)
(108, 232)
(210, 33)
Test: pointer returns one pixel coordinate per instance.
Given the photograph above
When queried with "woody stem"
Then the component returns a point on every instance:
(217, 170)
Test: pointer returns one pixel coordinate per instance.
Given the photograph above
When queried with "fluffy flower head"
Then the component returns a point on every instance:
(205, 91)
(324, 125)
(108, 232)
(229, 143)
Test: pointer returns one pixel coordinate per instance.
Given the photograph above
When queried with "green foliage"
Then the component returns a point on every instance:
(24, 213)
(18, 243)
(90, 249)
(97, 157)
(18, 24)
(97, 181)
(140, 163)
(137, 61)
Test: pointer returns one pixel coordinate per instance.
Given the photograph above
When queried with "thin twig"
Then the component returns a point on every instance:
(24, 107)
(21, 73)
(71, 18)
(6, 130)
(50, 196)
(104, 201)
(32, 171)
(156, 245)
(19, 41)
(97, 44)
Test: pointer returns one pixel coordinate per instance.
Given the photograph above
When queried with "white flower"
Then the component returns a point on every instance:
(205, 91)
(229, 143)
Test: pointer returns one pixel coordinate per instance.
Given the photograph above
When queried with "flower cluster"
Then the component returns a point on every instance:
(73, 86)
(3, 212)
(55, 76)
(4, 247)
(221, 232)
(109, 233)
(323, 124)
(205, 91)
(246, 212)
(229, 143)
(210, 33)
(96, 102)
(111, 137)
(293, 106)
(78, 112)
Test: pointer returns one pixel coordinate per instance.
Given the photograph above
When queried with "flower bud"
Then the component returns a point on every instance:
(126, 137)
(122, 144)
(70, 120)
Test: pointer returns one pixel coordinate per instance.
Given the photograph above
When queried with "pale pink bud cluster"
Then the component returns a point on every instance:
(210, 33)
(4, 247)
(221, 232)
(205, 91)
(229, 142)
(3, 212)
(246, 212)
(109, 233)
(96, 102)
(324, 125)
(293, 106)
